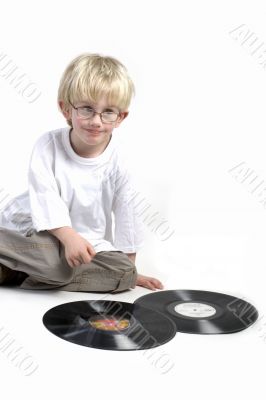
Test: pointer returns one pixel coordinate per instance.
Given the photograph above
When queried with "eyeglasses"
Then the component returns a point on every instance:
(86, 112)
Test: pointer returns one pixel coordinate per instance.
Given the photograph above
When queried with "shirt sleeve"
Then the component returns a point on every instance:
(48, 210)
(129, 229)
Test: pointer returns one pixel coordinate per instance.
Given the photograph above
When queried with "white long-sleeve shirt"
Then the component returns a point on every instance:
(94, 196)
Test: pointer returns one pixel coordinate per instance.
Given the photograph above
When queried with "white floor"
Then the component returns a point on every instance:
(194, 366)
(199, 111)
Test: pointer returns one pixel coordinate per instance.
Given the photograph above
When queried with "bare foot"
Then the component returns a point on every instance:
(148, 282)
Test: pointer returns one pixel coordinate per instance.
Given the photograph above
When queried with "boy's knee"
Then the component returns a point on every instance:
(128, 279)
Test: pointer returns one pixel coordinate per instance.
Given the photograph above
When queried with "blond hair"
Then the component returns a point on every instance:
(90, 76)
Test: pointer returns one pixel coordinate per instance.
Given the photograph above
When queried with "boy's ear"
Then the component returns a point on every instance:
(66, 112)
(121, 118)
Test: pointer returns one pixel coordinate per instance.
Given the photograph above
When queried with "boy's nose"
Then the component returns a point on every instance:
(96, 119)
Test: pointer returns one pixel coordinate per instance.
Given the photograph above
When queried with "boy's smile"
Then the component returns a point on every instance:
(90, 136)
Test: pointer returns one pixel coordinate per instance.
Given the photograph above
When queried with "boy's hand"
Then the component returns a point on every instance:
(78, 250)
(149, 282)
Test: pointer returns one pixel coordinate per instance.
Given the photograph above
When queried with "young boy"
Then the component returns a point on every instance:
(66, 237)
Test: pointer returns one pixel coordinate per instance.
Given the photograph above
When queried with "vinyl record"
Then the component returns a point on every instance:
(202, 312)
(109, 325)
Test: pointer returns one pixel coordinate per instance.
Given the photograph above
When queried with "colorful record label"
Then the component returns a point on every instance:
(109, 323)
(195, 310)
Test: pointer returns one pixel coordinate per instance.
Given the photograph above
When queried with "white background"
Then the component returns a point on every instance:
(199, 111)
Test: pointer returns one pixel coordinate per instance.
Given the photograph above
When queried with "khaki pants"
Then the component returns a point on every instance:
(40, 259)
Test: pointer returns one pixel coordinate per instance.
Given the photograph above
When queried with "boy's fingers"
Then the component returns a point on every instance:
(72, 263)
(91, 250)
(149, 285)
(157, 284)
(77, 262)
(86, 259)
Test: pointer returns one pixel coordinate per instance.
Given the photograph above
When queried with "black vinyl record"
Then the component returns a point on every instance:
(202, 312)
(109, 325)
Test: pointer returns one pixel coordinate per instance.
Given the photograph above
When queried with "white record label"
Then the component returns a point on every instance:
(195, 310)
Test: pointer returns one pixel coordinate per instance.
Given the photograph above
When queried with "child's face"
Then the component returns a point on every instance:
(92, 133)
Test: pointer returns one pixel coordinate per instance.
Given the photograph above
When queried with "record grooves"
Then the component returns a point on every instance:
(202, 312)
(109, 325)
